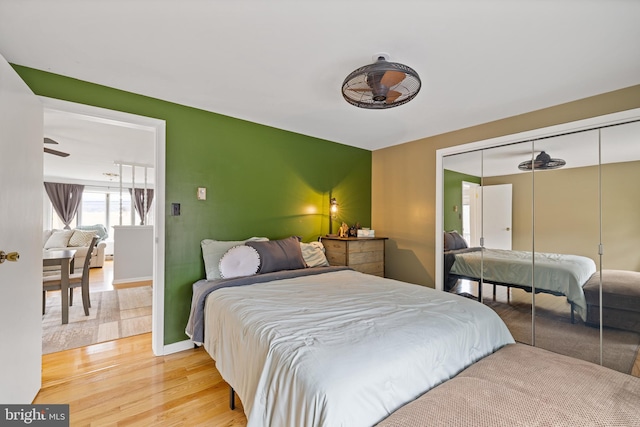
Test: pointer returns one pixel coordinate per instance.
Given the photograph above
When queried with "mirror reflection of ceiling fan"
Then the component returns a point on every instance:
(51, 151)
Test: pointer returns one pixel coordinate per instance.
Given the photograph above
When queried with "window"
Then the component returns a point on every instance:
(98, 206)
(93, 209)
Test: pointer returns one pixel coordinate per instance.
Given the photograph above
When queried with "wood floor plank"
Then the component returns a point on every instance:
(122, 383)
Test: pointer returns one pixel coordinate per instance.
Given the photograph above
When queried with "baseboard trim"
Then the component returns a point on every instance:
(133, 284)
(132, 280)
(177, 347)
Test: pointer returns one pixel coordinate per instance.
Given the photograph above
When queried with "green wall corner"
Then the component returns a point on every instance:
(452, 198)
(260, 181)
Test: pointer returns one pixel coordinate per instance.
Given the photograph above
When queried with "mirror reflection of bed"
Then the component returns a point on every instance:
(586, 209)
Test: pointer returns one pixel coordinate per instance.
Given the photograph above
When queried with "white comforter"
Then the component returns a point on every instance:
(341, 348)
(561, 273)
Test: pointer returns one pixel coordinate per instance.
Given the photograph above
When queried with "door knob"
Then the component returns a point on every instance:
(11, 256)
(508, 228)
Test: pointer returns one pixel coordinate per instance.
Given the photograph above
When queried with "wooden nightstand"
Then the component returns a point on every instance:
(365, 254)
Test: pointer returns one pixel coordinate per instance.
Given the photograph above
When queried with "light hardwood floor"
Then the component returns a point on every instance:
(122, 383)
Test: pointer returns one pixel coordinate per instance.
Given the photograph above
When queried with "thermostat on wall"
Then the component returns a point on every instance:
(202, 193)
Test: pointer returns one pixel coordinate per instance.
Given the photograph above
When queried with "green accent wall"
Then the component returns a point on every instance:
(260, 181)
(452, 197)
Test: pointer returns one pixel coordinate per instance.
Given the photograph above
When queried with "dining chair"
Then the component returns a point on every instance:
(76, 280)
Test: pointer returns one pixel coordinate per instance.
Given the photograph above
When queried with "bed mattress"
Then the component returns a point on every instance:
(341, 348)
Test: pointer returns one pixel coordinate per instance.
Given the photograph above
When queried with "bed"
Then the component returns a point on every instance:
(329, 346)
(557, 274)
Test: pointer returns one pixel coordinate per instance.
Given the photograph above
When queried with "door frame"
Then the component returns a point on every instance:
(158, 127)
(504, 140)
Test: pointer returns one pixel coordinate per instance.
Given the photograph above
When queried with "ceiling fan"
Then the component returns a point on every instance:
(51, 151)
(542, 161)
(381, 85)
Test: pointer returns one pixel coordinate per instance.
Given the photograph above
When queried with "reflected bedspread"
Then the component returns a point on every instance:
(561, 273)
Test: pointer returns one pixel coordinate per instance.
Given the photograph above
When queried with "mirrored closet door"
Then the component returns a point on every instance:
(549, 229)
(566, 238)
(620, 277)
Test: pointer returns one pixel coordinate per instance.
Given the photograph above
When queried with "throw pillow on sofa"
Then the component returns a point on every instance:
(58, 239)
(81, 238)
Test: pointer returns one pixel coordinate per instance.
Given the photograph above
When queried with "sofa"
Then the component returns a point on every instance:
(78, 239)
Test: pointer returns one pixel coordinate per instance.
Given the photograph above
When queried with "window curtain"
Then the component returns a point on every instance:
(138, 202)
(65, 199)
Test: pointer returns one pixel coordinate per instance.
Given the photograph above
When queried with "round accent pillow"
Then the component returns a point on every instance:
(239, 261)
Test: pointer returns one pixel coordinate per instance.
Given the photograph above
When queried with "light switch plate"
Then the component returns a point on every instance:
(202, 193)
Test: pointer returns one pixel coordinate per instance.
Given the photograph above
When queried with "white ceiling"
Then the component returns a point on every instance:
(282, 63)
(97, 148)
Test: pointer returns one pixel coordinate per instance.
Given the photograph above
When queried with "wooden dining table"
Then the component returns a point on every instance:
(65, 259)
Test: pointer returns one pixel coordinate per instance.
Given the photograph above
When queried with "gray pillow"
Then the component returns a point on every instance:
(276, 255)
(460, 242)
(449, 241)
(453, 241)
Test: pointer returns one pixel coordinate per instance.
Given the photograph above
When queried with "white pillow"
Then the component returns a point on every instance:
(313, 254)
(239, 261)
(58, 239)
(213, 250)
(45, 236)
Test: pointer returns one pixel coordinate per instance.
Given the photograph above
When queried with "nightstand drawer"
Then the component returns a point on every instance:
(362, 254)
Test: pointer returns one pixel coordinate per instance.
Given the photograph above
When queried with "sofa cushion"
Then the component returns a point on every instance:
(45, 236)
(58, 239)
(81, 238)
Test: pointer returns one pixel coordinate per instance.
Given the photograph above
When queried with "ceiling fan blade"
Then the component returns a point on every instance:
(392, 96)
(49, 141)
(392, 78)
(55, 152)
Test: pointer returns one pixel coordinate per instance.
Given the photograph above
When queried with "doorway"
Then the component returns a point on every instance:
(471, 213)
(155, 130)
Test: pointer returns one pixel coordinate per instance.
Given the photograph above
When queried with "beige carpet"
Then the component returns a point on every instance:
(555, 332)
(113, 315)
